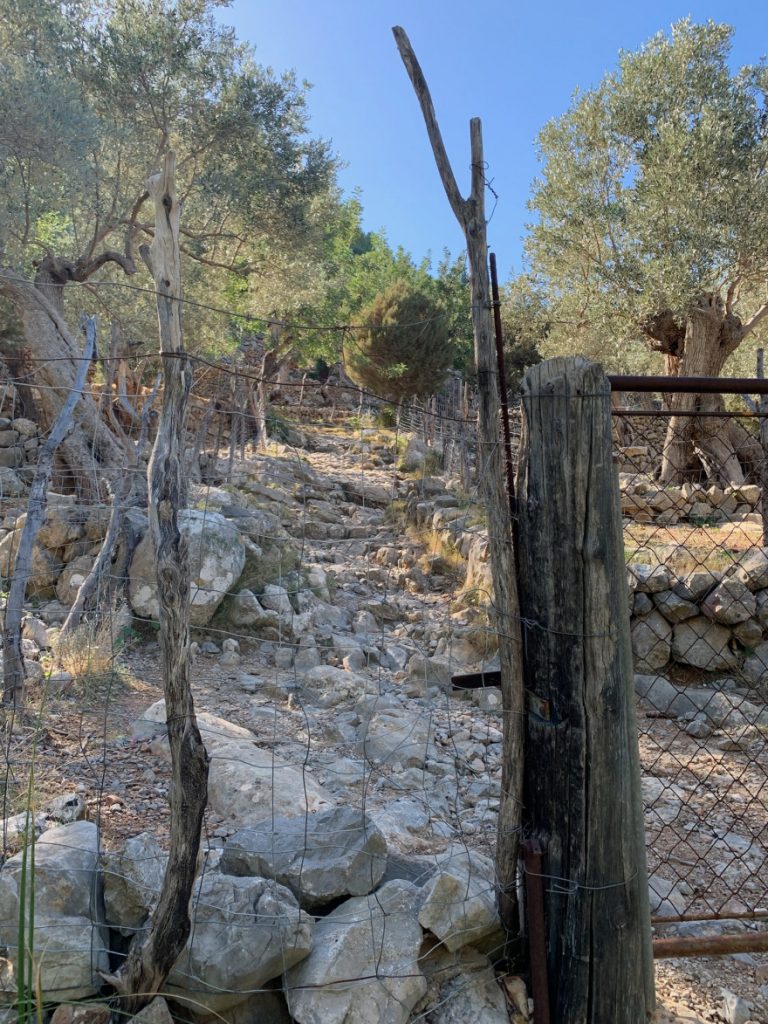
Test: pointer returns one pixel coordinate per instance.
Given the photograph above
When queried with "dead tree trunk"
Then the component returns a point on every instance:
(582, 774)
(13, 662)
(470, 214)
(149, 962)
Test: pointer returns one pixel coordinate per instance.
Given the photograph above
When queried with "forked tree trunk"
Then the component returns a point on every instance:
(470, 214)
(149, 961)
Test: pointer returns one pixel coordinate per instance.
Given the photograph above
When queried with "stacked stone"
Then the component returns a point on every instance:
(708, 620)
(20, 440)
(644, 501)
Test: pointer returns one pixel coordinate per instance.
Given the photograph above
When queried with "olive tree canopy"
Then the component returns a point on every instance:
(652, 218)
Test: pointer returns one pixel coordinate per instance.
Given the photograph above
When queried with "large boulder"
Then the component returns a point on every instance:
(397, 735)
(459, 902)
(730, 602)
(752, 570)
(69, 940)
(246, 783)
(462, 988)
(319, 858)
(704, 644)
(44, 569)
(216, 560)
(10, 484)
(331, 686)
(245, 932)
(72, 578)
(364, 964)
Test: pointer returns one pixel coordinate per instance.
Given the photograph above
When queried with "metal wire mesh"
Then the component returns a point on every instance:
(697, 572)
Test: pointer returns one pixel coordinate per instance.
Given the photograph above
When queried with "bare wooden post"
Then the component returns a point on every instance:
(149, 962)
(582, 774)
(13, 662)
(470, 214)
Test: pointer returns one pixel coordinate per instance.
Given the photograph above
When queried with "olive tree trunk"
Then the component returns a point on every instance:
(720, 448)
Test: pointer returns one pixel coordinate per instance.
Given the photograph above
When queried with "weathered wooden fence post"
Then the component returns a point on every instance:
(582, 777)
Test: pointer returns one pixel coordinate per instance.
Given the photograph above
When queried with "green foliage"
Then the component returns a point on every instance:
(653, 196)
(403, 349)
(525, 324)
(92, 93)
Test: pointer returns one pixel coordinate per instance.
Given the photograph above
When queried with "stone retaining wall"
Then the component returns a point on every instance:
(712, 621)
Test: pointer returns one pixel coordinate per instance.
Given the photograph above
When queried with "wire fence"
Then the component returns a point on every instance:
(696, 568)
(340, 581)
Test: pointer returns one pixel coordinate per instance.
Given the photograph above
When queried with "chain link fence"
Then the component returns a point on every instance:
(697, 572)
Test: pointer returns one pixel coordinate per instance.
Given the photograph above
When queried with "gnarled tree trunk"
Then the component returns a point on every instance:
(717, 447)
(90, 451)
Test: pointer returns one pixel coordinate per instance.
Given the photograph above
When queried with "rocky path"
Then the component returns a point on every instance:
(336, 694)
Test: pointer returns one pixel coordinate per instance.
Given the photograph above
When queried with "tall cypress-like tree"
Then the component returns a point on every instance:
(403, 348)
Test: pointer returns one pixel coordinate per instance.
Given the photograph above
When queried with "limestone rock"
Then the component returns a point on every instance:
(649, 579)
(697, 585)
(330, 686)
(72, 577)
(755, 667)
(704, 644)
(428, 672)
(216, 555)
(375, 939)
(245, 931)
(44, 570)
(459, 903)
(673, 607)
(276, 599)
(156, 1012)
(397, 735)
(133, 879)
(752, 570)
(244, 609)
(70, 942)
(415, 455)
(651, 641)
(246, 783)
(730, 602)
(11, 485)
(462, 988)
(319, 858)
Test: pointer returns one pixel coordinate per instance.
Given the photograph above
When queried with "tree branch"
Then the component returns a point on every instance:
(416, 75)
(753, 321)
(85, 269)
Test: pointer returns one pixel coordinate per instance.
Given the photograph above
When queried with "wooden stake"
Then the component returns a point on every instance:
(470, 214)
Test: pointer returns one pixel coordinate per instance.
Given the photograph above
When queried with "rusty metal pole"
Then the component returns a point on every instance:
(534, 901)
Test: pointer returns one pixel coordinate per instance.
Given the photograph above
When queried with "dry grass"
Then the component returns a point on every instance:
(686, 547)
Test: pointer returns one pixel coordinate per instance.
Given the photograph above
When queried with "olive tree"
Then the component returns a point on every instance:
(92, 94)
(652, 220)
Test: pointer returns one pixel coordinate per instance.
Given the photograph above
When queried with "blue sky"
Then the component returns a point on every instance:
(513, 64)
